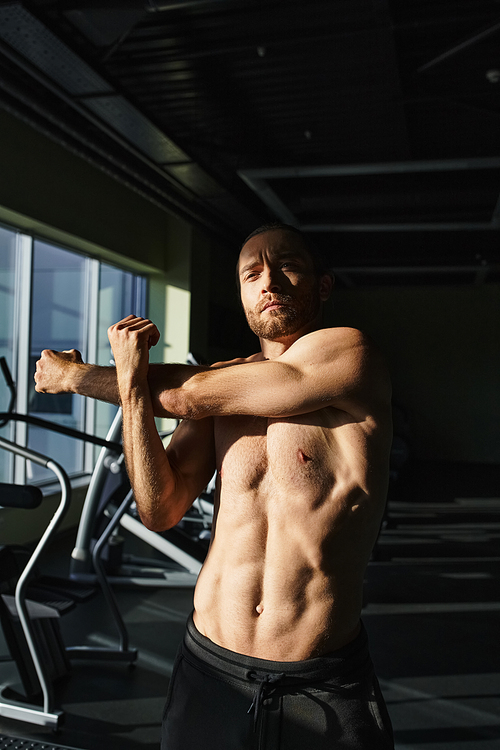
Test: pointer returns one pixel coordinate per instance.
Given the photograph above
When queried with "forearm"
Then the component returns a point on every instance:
(101, 383)
(158, 491)
(96, 382)
(65, 372)
(163, 484)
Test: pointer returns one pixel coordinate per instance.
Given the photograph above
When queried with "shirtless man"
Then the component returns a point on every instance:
(300, 435)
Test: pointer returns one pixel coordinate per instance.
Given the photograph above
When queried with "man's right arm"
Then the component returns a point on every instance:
(66, 372)
(188, 462)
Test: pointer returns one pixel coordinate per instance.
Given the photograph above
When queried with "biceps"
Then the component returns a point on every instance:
(300, 390)
(285, 390)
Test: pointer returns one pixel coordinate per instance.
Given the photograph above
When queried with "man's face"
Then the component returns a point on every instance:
(280, 291)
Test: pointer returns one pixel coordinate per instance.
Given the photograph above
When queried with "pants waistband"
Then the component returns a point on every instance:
(347, 664)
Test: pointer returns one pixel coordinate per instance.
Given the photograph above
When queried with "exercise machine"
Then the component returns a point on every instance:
(30, 623)
(110, 506)
(182, 549)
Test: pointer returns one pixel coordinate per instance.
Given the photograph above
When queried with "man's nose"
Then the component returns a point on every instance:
(270, 282)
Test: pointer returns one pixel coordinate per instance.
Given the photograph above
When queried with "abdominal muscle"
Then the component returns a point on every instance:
(283, 578)
(280, 609)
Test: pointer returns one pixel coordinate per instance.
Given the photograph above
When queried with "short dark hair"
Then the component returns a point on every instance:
(320, 264)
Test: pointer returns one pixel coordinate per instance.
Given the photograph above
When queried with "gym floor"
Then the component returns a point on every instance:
(431, 611)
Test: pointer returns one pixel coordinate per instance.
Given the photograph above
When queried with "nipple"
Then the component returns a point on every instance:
(259, 608)
(303, 458)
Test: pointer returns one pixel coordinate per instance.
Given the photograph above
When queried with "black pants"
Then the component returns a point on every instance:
(220, 700)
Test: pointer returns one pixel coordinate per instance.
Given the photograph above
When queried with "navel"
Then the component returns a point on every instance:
(302, 457)
(259, 609)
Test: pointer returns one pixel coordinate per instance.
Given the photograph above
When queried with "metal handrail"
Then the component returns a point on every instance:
(47, 715)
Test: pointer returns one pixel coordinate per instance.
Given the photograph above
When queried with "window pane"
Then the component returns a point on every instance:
(7, 306)
(57, 322)
(120, 294)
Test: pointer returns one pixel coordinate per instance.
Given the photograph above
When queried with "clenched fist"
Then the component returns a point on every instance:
(54, 370)
(131, 339)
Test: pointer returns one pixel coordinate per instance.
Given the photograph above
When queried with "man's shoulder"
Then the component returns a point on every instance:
(343, 350)
(339, 338)
(342, 333)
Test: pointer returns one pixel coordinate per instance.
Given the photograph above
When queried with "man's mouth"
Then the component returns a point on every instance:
(274, 305)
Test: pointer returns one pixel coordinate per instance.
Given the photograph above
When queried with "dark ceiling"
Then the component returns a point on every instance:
(372, 124)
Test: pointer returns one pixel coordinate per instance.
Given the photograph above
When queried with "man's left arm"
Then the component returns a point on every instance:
(331, 367)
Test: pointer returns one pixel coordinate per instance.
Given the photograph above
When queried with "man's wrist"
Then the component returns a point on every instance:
(132, 388)
(72, 377)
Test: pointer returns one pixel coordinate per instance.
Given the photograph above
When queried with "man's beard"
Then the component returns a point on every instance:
(294, 315)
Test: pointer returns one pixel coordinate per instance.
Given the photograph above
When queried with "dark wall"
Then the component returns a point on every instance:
(442, 345)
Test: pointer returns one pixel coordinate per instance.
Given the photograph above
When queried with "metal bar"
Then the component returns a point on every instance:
(22, 609)
(162, 545)
(459, 47)
(91, 316)
(20, 594)
(256, 179)
(153, 6)
(81, 555)
(21, 365)
(438, 226)
(408, 269)
(101, 576)
(250, 176)
(270, 198)
(25, 712)
(69, 431)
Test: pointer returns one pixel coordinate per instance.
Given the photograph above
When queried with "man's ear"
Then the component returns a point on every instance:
(326, 283)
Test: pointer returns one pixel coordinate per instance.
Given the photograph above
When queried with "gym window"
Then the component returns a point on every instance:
(54, 298)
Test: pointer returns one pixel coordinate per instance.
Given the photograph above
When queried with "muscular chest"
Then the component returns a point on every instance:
(241, 450)
(254, 452)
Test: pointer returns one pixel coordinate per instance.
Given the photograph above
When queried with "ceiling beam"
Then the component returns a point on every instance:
(351, 270)
(153, 5)
(257, 180)
(478, 37)
(436, 226)
(397, 167)
(269, 197)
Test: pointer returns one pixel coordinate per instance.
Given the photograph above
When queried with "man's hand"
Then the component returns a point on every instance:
(53, 370)
(131, 339)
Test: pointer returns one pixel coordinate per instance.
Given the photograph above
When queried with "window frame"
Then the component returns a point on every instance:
(23, 298)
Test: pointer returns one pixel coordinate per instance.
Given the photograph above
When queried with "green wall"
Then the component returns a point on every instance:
(65, 198)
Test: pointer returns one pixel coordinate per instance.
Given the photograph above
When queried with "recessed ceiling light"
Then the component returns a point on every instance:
(493, 75)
